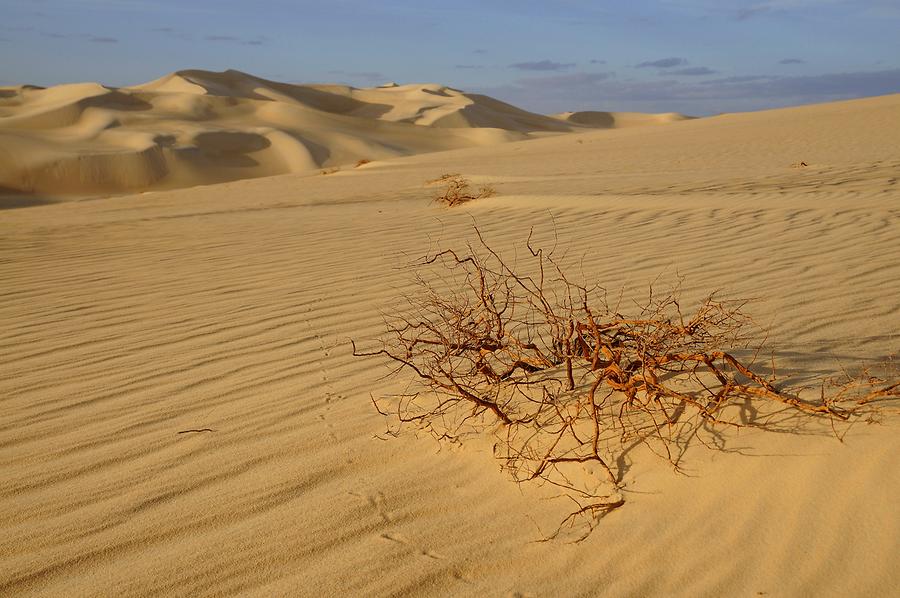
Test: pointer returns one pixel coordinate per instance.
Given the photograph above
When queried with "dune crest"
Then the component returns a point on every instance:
(197, 127)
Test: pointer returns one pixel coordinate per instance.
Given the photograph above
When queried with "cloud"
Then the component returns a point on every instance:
(469, 66)
(595, 61)
(749, 12)
(542, 65)
(569, 83)
(738, 79)
(141, 6)
(603, 91)
(94, 39)
(792, 61)
(173, 33)
(826, 87)
(231, 39)
(883, 11)
(479, 51)
(745, 10)
(662, 63)
(576, 78)
(693, 71)
(780, 7)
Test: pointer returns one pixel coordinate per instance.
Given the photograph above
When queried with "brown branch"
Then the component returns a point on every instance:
(567, 381)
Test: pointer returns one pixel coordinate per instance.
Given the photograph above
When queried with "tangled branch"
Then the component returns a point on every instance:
(567, 383)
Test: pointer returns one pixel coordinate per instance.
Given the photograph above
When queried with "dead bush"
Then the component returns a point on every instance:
(569, 384)
(443, 177)
(458, 190)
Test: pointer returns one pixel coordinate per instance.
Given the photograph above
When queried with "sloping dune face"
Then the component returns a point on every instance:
(198, 127)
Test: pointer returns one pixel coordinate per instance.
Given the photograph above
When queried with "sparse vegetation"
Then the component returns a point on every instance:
(443, 177)
(570, 384)
(362, 162)
(458, 190)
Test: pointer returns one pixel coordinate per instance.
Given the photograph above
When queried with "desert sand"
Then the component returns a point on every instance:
(229, 308)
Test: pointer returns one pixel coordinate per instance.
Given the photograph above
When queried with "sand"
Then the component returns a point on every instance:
(229, 307)
(199, 127)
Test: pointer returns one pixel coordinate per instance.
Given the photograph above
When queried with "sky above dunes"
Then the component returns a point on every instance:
(694, 56)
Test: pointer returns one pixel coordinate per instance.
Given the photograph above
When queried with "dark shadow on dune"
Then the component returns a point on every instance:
(490, 112)
(116, 100)
(163, 140)
(10, 199)
(809, 368)
(598, 120)
(806, 371)
(230, 142)
(371, 111)
(227, 148)
(319, 152)
(327, 98)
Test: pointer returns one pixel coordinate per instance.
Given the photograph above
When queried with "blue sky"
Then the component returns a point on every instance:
(694, 56)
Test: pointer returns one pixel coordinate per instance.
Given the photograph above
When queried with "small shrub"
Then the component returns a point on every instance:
(458, 191)
(442, 178)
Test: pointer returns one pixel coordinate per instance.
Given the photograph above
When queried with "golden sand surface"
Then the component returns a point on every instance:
(127, 320)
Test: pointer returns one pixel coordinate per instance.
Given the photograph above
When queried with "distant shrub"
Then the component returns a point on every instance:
(458, 190)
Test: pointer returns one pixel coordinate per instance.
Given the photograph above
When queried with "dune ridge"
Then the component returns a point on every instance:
(196, 127)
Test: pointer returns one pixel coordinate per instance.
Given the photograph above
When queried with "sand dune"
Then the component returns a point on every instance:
(199, 127)
(617, 120)
(227, 310)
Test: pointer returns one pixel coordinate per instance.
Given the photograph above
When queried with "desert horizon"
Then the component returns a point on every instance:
(611, 309)
(195, 127)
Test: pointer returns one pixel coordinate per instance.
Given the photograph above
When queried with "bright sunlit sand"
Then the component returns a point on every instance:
(185, 262)
(228, 309)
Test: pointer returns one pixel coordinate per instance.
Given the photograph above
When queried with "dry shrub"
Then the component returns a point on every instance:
(332, 170)
(568, 384)
(458, 190)
(362, 162)
(444, 177)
